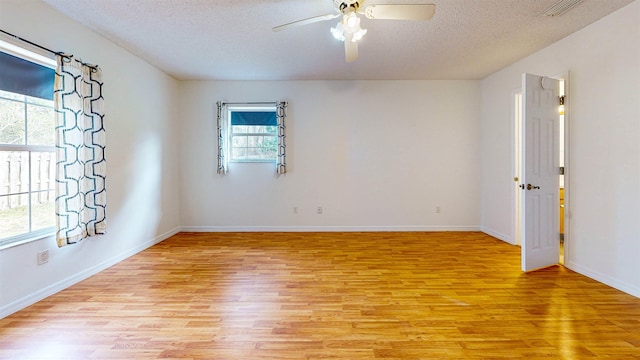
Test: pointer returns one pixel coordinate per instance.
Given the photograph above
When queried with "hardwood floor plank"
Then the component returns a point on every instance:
(435, 295)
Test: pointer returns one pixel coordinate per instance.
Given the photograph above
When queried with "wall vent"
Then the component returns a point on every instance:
(561, 7)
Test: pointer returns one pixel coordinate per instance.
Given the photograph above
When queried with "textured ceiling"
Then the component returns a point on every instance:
(232, 39)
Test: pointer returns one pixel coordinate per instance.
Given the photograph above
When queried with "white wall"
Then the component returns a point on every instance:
(141, 154)
(604, 108)
(376, 155)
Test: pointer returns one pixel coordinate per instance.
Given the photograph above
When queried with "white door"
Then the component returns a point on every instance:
(540, 172)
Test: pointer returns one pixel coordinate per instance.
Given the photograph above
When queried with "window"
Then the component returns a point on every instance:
(253, 134)
(27, 146)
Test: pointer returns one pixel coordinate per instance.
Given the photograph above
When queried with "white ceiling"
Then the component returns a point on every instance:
(232, 39)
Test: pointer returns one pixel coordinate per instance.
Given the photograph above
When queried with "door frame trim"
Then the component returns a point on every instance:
(567, 166)
(516, 167)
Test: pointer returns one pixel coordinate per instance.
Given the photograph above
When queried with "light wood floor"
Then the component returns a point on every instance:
(328, 295)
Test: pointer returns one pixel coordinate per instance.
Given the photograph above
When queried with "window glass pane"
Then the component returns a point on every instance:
(40, 124)
(42, 211)
(239, 153)
(245, 129)
(14, 172)
(239, 141)
(262, 129)
(14, 215)
(270, 129)
(270, 142)
(5, 178)
(240, 129)
(11, 122)
(269, 153)
(254, 141)
(261, 153)
(43, 171)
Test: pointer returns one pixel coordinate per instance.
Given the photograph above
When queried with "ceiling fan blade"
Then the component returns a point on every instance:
(306, 21)
(401, 12)
(350, 50)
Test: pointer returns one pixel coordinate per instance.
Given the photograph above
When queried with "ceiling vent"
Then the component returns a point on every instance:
(561, 7)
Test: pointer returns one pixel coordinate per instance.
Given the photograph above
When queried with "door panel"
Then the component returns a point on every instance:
(540, 173)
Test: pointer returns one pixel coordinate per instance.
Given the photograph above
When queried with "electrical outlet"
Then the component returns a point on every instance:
(319, 210)
(438, 209)
(43, 257)
(295, 210)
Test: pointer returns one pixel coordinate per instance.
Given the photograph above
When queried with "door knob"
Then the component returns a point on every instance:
(529, 187)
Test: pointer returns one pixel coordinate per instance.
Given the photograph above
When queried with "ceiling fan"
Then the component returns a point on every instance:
(348, 28)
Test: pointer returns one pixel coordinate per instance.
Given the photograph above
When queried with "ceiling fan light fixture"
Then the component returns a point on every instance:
(351, 23)
(338, 32)
(351, 20)
(348, 27)
(357, 36)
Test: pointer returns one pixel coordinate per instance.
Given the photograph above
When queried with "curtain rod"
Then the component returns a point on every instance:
(68, 56)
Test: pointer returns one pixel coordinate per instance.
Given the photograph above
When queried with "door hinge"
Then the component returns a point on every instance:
(561, 170)
(561, 98)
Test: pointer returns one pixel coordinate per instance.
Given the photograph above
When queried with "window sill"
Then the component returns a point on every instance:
(35, 237)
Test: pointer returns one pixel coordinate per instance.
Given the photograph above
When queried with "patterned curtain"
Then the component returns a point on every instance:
(80, 143)
(222, 161)
(281, 160)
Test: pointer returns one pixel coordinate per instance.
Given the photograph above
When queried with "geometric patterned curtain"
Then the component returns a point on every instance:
(281, 159)
(80, 151)
(222, 159)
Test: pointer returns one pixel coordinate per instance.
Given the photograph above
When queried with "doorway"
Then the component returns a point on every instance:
(519, 187)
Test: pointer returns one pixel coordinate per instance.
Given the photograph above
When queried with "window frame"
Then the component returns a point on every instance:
(48, 232)
(230, 134)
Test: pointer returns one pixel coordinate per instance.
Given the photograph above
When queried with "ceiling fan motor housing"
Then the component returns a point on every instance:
(347, 6)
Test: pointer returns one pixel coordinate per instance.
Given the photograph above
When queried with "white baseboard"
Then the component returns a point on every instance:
(605, 279)
(33, 298)
(498, 235)
(325, 228)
